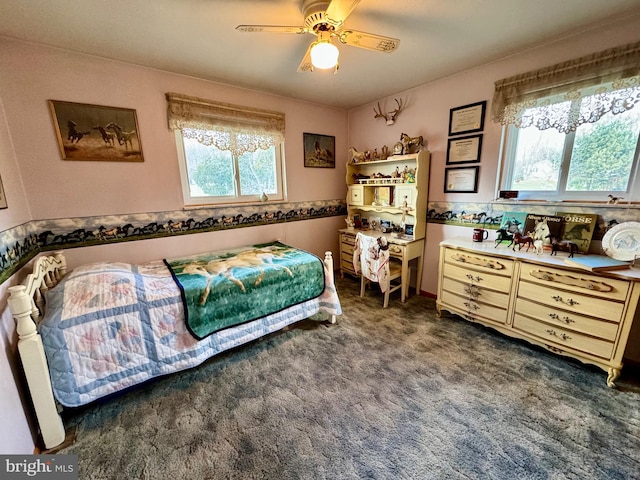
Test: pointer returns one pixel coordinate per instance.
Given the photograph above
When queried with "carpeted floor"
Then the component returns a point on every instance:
(384, 394)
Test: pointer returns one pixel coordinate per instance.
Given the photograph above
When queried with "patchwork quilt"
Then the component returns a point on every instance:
(230, 287)
(109, 326)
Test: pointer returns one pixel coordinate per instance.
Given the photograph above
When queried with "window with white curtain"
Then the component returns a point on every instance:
(571, 130)
(227, 153)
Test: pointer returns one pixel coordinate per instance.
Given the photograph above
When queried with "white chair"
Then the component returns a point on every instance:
(395, 272)
(375, 265)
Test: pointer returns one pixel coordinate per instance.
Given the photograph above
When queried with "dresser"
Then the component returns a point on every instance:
(404, 250)
(538, 298)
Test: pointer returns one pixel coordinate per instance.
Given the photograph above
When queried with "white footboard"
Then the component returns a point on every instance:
(328, 262)
(26, 303)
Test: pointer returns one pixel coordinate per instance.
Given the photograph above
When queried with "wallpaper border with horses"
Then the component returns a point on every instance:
(489, 215)
(23, 242)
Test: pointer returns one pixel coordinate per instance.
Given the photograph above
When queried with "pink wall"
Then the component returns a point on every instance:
(54, 188)
(32, 75)
(427, 114)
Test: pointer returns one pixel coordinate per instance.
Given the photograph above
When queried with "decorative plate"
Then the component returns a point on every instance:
(622, 242)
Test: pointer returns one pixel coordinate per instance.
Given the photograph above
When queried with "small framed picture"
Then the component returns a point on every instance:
(461, 179)
(467, 119)
(408, 229)
(464, 149)
(385, 226)
(357, 221)
(319, 150)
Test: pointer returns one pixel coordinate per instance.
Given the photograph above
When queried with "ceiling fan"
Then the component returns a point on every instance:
(325, 20)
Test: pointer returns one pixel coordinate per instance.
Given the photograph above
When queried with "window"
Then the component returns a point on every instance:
(589, 163)
(571, 130)
(227, 153)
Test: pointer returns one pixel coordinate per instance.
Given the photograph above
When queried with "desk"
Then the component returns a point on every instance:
(405, 250)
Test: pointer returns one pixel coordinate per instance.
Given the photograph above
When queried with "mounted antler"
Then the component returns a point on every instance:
(393, 113)
(379, 113)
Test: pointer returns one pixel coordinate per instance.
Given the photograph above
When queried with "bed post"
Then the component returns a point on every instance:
(328, 262)
(35, 367)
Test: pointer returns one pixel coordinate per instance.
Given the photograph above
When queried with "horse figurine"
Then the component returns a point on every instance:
(502, 236)
(411, 144)
(556, 243)
(538, 246)
(520, 240)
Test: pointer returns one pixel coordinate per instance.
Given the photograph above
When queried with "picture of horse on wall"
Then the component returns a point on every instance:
(95, 132)
(319, 150)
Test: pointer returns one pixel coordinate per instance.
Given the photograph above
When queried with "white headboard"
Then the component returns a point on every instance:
(26, 303)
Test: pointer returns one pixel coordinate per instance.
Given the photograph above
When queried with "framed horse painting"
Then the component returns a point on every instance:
(96, 132)
(319, 150)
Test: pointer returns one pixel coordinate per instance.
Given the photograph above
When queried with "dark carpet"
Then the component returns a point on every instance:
(384, 394)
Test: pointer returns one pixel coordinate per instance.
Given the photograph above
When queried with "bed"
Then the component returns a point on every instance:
(105, 327)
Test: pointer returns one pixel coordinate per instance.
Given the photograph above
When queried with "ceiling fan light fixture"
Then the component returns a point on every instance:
(324, 54)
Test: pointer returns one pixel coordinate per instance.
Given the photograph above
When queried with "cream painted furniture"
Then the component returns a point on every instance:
(395, 273)
(407, 205)
(27, 305)
(400, 249)
(539, 298)
(407, 200)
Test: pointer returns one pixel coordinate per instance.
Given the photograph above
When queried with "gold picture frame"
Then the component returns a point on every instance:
(96, 133)
(3, 197)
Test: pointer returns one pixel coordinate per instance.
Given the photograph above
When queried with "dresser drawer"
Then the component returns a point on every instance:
(609, 288)
(475, 309)
(563, 338)
(485, 279)
(347, 248)
(346, 257)
(490, 297)
(498, 266)
(347, 267)
(348, 238)
(356, 195)
(396, 251)
(568, 320)
(571, 301)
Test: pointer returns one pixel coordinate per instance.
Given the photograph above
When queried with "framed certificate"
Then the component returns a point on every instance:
(467, 119)
(461, 179)
(464, 149)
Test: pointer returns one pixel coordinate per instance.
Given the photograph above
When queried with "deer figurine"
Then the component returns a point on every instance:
(389, 117)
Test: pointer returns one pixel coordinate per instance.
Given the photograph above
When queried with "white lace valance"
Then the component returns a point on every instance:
(604, 82)
(235, 128)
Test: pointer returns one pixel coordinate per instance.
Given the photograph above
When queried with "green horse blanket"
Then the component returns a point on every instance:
(227, 288)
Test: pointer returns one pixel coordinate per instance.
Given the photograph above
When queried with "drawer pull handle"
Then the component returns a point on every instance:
(587, 284)
(474, 279)
(471, 306)
(566, 320)
(562, 336)
(481, 262)
(571, 302)
(472, 291)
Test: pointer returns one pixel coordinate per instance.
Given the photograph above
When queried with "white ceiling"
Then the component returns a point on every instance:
(198, 37)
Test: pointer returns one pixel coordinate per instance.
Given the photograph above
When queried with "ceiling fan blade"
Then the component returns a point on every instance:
(305, 64)
(369, 41)
(272, 29)
(339, 10)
